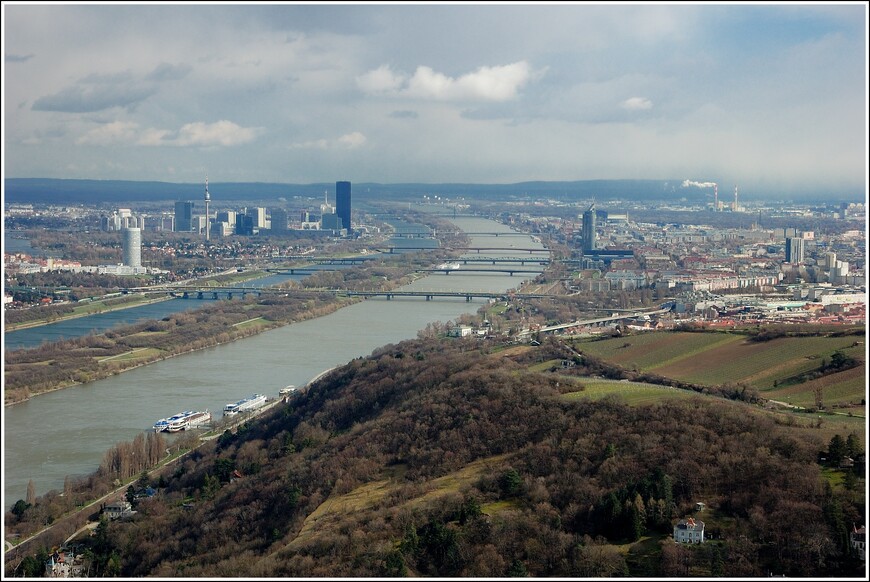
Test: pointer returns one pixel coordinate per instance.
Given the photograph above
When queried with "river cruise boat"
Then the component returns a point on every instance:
(188, 421)
(162, 425)
(249, 403)
(286, 390)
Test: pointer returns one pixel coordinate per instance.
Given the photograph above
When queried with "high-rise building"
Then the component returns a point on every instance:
(132, 243)
(279, 220)
(342, 203)
(794, 250)
(259, 215)
(226, 216)
(244, 225)
(589, 229)
(184, 216)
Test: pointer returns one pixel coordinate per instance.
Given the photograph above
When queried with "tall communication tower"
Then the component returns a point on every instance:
(207, 199)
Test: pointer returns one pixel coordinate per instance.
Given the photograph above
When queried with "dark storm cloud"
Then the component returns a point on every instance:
(96, 93)
(17, 58)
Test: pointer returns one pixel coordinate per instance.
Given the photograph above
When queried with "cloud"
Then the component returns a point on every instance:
(637, 104)
(381, 80)
(221, 133)
(500, 83)
(351, 141)
(96, 93)
(17, 58)
(167, 72)
(111, 133)
(404, 114)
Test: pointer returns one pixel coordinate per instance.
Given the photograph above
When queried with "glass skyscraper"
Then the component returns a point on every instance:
(342, 204)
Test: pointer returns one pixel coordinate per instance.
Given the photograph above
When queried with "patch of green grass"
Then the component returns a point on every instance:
(544, 366)
(249, 323)
(495, 507)
(633, 393)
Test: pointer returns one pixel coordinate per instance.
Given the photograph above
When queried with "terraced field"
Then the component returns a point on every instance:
(651, 350)
(774, 367)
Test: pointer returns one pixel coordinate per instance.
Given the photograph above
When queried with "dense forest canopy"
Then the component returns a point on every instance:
(440, 457)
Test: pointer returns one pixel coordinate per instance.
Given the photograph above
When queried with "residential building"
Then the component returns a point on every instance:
(689, 531)
(118, 509)
(794, 250)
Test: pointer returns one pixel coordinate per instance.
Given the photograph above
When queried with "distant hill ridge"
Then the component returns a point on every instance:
(56, 191)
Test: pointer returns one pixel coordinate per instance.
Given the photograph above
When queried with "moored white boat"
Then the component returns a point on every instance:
(191, 420)
(165, 424)
(249, 403)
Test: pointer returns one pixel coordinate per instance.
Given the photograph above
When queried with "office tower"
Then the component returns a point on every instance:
(794, 250)
(132, 243)
(244, 225)
(330, 221)
(258, 214)
(342, 203)
(226, 216)
(279, 220)
(589, 229)
(183, 216)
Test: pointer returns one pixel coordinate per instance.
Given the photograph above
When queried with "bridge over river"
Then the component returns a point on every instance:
(204, 292)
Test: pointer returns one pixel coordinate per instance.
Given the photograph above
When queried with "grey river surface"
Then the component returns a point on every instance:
(67, 432)
(97, 323)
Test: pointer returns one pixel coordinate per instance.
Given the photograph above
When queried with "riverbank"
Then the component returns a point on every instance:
(68, 363)
(97, 309)
(95, 306)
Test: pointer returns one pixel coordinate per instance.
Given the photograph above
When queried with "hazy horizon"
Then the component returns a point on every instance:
(770, 97)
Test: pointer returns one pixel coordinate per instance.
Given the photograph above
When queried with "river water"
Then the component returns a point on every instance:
(67, 432)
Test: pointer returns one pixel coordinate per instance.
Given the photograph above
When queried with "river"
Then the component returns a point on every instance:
(67, 432)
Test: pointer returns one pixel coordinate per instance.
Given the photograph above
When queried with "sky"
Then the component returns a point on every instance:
(767, 96)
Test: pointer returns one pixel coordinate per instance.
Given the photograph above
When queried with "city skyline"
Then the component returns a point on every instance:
(767, 96)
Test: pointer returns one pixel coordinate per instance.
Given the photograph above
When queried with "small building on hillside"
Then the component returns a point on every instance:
(689, 531)
(118, 510)
(63, 564)
(858, 541)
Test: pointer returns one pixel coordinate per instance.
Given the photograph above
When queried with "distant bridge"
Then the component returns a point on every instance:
(447, 271)
(605, 319)
(203, 292)
(391, 249)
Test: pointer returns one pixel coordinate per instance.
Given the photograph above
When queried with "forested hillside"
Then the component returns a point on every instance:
(450, 458)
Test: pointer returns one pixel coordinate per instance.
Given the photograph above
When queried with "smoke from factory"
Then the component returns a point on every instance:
(687, 183)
